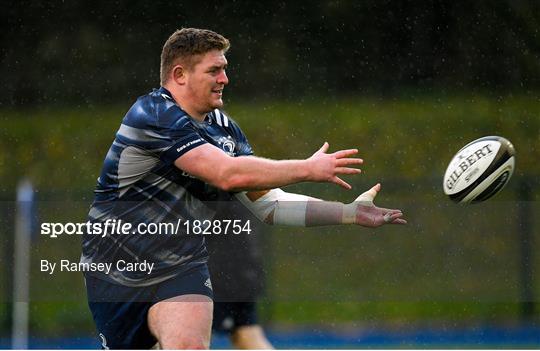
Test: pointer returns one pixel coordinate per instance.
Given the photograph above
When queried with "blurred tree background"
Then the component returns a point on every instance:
(108, 51)
(407, 82)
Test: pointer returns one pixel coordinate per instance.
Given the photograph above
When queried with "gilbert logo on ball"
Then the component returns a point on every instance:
(479, 170)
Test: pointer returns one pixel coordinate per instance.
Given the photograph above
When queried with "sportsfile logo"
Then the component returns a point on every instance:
(120, 227)
(467, 163)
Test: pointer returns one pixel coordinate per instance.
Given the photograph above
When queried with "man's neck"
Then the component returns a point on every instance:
(178, 98)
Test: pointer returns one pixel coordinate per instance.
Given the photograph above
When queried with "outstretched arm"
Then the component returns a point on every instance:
(212, 165)
(278, 207)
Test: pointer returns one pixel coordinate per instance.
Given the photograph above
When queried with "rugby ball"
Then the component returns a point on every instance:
(479, 170)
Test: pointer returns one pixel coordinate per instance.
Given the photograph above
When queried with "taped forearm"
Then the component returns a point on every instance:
(280, 207)
(319, 213)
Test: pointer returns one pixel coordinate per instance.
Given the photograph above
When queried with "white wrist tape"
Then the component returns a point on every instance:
(289, 209)
(349, 210)
(349, 213)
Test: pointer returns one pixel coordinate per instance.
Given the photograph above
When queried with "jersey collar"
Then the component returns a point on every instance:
(166, 94)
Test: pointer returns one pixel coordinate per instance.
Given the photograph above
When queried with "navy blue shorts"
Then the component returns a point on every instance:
(228, 316)
(121, 312)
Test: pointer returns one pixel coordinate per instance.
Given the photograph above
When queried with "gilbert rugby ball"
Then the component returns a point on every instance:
(479, 170)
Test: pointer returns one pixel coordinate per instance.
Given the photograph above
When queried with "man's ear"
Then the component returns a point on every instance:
(179, 74)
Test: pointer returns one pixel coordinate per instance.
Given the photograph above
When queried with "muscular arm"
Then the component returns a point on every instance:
(212, 165)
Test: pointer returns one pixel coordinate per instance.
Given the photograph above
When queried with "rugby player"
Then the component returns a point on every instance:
(174, 153)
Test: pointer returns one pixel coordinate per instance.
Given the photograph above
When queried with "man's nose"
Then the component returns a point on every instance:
(223, 79)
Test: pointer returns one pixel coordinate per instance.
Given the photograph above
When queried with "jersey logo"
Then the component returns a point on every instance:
(186, 174)
(103, 342)
(208, 284)
(228, 145)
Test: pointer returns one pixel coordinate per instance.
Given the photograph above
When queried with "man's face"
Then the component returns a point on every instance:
(206, 80)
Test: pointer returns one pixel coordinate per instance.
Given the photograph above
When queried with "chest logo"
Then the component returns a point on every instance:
(228, 146)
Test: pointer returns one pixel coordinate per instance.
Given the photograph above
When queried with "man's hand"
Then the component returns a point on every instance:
(364, 212)
(326, 167)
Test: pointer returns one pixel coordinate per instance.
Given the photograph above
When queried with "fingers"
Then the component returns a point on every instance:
(394, 218)
(348, 161)
(345, 153)
(341, 183)
(346, 170)
(391, 210)
(399, 221)
(387, 218)
(390, 216)
(324, 148)
(338, 154)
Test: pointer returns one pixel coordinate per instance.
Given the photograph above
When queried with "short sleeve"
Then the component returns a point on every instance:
(168, 133)
(183, 137)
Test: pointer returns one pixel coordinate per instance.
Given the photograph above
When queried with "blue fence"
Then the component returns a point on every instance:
(525, 336)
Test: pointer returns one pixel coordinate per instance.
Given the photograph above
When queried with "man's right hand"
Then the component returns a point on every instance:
(324, 167)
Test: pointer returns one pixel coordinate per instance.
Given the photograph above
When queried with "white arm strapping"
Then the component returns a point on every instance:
(289, 209)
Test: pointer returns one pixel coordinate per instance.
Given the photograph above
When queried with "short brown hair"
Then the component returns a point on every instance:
(187, 43)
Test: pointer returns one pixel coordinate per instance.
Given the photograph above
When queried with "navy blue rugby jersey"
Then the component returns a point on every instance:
(139, 183)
